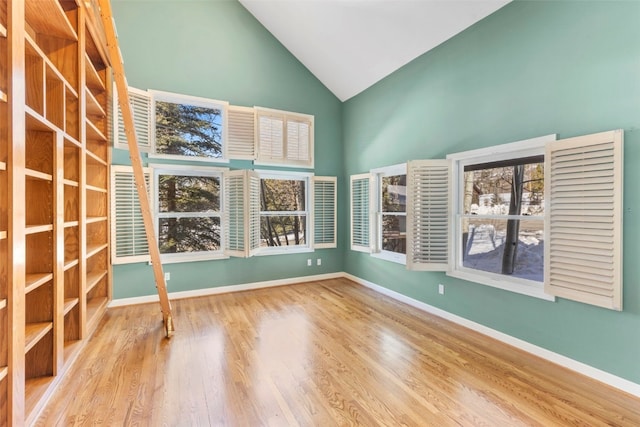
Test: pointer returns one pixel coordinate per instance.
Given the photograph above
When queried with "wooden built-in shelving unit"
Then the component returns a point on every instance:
(55, 275)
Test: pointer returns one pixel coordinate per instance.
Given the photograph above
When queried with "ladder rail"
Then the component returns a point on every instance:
(117, 65)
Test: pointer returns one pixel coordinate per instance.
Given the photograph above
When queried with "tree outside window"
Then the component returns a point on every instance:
(283, 212)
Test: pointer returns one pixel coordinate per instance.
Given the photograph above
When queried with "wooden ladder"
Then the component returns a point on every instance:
(136, 160)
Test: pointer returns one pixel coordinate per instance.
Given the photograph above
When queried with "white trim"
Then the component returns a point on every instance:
(564, 361)
(225, 289)
(497, 152)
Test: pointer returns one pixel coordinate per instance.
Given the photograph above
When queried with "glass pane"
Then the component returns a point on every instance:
(282, 195)
(182, 193)
(187, 130)
(394, 193)
(179, 235)
(394, 233)
(488, 191)
(283, 230)
(484, 242)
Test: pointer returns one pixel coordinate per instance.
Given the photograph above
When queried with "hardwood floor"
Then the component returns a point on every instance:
(317, 354)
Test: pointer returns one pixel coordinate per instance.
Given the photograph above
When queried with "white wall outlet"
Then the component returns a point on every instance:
(441, 289)
(167, 276)
(309, 262)
(319, 261)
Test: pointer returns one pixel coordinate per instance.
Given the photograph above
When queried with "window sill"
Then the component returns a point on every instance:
(174, 259)
(178, 158)
(280, 251)
(391, 256)
(532, 289)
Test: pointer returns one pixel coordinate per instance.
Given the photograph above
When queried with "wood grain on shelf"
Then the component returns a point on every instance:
(68, 224)
(34, 332)
(37, 391)
(3, 235)
(94, 82)
(35, 121)
(95, 307)
(3, 372)
(93, 106)
(69, 264)
(33, 174)
(94, 278)
(3, 31)
(48, 17)
(52, 68)
(96, 189)
(38, 228)
(3, 97)
(3, 303)
(93, 219)
(94, 249)
(35, 280)
(69, 303)
(70, 183)
(95, 158)
(94, 133)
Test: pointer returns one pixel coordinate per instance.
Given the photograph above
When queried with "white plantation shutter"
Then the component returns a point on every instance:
(241, 133)
(127, 228)
(270, 138)
(360, 212)
(298, 141)
(141, 106)
(583, 225)
(324, 212)
(429, 205)
(241, 213)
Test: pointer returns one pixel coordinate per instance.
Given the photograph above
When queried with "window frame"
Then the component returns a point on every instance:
(188, 170)
(376, 209)
(178, 98)
(519, 149)
(307, 177)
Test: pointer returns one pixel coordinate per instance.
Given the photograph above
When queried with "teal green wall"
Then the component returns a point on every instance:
(530, 69)
(216, 49)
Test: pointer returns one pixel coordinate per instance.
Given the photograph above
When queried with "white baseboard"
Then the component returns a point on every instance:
(579, 367)
(224, 289)
(574, 365)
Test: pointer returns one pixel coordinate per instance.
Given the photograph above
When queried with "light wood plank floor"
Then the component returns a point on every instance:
(317, 354)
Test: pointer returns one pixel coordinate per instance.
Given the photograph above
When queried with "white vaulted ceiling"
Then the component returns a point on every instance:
(351, 44)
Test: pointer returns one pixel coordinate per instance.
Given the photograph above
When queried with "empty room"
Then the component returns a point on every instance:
(319, 212)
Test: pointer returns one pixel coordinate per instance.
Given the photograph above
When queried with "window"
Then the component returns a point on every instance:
(187, 126)
(188, 213)
(499, 216)
(284, 212)
(390, 207)
(284, 138)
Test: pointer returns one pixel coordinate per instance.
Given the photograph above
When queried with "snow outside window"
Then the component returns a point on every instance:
(390, 207)
(498, 229)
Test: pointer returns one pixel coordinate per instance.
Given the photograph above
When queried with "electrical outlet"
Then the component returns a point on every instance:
(441, 289)
(309, 262)
(167, 276)
(319, 261)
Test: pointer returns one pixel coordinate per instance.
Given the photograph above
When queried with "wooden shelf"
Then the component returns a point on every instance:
(3, 97)
(93, 157)
(94, 249)
(49, 64)
(3, 235)
(93, 106)
(3, 372)
(70, 183)
(69, 224)
(94, 133)
(3, 303)
(3, 166)
(69, 303)
(94, 307)
(34, 332)
(32, 174)
(3, 31)
(41, 228)
(36, 391)
(93, 279)
(70, 264)
(35, 280)
(96, 189)
(48, 17)
(37, 122)
(94, 82)
(94, 219)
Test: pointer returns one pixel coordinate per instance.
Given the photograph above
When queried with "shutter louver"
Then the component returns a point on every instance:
(583, 187)
(129, 237)
(297, 141)
(254, 211)
(324, 212)
(234, 211)
(428, 214)
(241, 133)
(360, 213)
(271, 138)
(141, 108)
